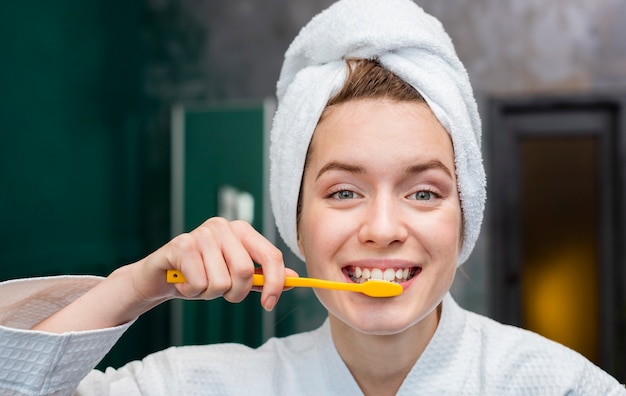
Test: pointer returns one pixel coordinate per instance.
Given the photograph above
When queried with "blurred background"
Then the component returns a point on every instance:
(123, 123)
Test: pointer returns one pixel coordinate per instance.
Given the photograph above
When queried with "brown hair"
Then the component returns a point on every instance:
(367, 79)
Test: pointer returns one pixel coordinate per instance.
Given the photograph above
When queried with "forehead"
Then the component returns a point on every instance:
(368, 129)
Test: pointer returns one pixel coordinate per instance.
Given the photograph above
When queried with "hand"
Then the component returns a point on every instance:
(217, 260)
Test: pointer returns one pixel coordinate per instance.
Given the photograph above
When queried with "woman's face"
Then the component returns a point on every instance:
(379, 199)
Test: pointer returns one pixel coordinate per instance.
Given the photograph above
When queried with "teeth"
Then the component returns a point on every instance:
(389, 275)
(377, 274)
(360, 275)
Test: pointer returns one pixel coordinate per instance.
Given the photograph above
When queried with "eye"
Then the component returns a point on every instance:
(344, 194)
(424, 195)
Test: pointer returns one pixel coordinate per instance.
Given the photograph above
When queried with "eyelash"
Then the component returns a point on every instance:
(333, 193)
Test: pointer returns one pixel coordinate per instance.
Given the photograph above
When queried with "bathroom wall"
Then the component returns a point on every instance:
(519, 47)
(234, 48)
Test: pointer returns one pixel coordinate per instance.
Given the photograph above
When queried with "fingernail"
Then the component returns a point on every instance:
(270, 303)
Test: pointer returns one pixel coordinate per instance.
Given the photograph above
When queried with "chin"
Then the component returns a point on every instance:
(381, 324)
(387, 329)
(379, 317)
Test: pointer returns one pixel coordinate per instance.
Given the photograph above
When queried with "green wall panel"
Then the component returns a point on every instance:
(70, 93)
(71, 147)
(223, 145)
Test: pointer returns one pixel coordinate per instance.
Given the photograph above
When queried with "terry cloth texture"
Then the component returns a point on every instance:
(40, 363)
(468, 355)
(409, 43)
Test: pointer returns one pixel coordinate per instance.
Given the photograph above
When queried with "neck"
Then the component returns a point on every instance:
(380, 363)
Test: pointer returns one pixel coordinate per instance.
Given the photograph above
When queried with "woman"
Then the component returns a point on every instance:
(376, 173)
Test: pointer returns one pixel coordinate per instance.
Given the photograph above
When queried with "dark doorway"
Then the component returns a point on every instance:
(557, 181)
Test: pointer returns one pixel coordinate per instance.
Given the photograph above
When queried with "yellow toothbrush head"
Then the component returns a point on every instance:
(380, 288)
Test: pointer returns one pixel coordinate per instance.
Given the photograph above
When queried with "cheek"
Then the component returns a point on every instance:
(322, 236)
(313, 234)
(309, 233)
(444, 234)
(300, 246)
(460, 228)
(313, 255)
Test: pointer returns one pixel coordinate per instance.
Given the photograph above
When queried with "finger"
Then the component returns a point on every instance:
(234, 261)
(209, 236)
(268, 256)
(288, 273)
(183, 254)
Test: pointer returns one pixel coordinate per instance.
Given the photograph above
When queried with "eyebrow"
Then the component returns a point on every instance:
(419, 168)
(433, 164)
(339, 166)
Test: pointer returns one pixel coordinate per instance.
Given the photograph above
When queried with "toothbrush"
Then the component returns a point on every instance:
(372, 288)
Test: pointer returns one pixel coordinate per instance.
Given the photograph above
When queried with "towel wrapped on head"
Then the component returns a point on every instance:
(408, 42)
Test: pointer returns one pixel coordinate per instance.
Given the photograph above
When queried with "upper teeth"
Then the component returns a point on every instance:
(361, 275)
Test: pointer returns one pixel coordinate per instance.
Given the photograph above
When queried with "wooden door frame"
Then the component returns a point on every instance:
(510, 120)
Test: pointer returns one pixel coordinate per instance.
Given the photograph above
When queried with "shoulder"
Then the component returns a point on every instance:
(500, 343)
(519, 358)
(514, 340)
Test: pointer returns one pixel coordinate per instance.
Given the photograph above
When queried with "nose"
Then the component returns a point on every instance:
(383, 223)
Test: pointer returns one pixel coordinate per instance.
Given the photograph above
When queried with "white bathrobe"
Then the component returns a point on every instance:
(468, 355)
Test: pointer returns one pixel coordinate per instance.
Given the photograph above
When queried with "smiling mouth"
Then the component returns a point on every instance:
(396, 275)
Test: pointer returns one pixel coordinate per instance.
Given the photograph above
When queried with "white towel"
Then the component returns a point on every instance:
(408, 42)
